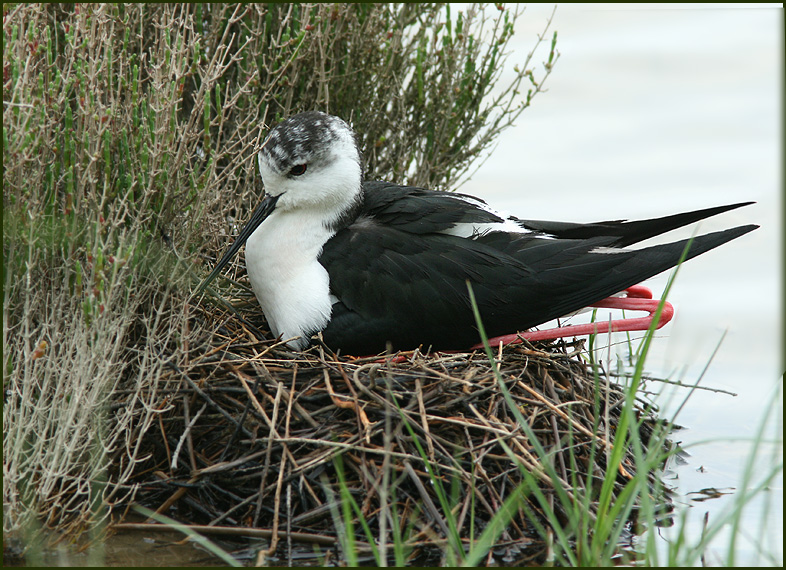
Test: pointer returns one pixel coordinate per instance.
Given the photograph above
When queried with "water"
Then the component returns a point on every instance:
(653, 111)
(123, 549)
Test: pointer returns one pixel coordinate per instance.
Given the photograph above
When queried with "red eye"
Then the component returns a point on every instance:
(297, 170)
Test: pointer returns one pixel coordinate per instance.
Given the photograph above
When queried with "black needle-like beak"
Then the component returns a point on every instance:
(263, 211)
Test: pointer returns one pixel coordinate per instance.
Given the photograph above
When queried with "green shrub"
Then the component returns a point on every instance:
(129, 135)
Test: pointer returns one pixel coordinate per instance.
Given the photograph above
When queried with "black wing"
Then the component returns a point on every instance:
(420, 211)
(627, 233)
(401, 281)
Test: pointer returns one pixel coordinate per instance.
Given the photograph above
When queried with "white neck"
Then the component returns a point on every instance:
(288, 280)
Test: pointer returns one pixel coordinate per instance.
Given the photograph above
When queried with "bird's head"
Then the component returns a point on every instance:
(311, 160)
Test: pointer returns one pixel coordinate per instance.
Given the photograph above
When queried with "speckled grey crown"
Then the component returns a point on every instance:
(303, 138)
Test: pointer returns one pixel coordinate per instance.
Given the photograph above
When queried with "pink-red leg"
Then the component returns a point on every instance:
(638, 298)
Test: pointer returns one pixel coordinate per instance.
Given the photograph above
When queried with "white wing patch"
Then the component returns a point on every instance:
(469, 230)
(607, 250)
(509, 224)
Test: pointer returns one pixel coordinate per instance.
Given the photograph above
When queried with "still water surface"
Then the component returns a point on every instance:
(657, 110)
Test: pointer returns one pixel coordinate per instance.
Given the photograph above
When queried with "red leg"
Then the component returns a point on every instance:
(639, 298)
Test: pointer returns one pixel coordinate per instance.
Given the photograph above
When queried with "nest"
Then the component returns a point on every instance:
(262, 441)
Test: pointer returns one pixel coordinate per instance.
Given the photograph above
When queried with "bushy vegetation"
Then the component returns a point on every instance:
(129, 135)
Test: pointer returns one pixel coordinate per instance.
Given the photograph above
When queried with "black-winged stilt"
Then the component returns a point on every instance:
(372, 263)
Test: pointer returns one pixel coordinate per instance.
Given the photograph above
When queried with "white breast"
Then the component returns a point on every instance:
(288, 280)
